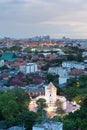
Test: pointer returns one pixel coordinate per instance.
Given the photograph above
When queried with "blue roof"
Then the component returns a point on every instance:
(9, 56)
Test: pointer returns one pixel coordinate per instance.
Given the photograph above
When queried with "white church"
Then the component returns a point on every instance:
(51, 97)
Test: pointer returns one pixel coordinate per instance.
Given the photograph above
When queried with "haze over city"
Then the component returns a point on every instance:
(57, 18)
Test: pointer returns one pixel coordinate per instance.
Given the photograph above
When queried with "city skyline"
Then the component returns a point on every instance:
(57, 18)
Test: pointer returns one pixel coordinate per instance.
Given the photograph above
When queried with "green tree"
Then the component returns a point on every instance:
(71, 93)
(50, 77)
(45, 67)
(71, 82)
(8, 106)
(59, 109)
(22, 97)
(15, 48)
(41, 105)
(26, 119)
(13, 102)
(69, 124)
(83, 81)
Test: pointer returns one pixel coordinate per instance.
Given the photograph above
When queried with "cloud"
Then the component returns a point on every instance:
(44, 16)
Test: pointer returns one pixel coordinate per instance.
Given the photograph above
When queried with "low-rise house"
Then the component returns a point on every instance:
(48, 125)
(1, 63)
(40, 64)
(84, 54)
(8, 56)
(76, 72)
(73, 64)
(51, 56)
(16, 128)
(5, 76)
(23, 80)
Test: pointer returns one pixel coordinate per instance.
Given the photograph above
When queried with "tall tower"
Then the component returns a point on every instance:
(50, 94)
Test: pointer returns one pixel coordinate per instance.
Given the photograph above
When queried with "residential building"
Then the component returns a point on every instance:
(49, 125)
(84, 54)
(16, 128)
(1, 63)
(73, 64)
(62, 72)
(28, 68)
(9, 56)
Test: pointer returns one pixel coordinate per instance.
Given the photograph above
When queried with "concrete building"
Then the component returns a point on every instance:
(16, 128)
(84, 54)
(62, 72)
(73, 64)
(28, 68)
(49, 125)
(1, 63)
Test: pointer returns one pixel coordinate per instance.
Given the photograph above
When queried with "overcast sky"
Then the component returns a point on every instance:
(57, 18)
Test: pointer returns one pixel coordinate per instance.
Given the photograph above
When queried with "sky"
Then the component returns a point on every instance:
(57, 18)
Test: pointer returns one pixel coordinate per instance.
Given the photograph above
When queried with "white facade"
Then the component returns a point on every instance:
(16, 128)
(28, 68)
(38, 128)
(49, 125)
(22, 68)
(73, 64)
(50, 94)
(1, 63)
(84, 54)
(51, 98)
(62, 72)
(63, 80)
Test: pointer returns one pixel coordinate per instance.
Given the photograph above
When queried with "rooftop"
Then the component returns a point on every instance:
(9, 56)
(49, 125)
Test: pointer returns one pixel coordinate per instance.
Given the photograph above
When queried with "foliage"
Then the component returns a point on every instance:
(52, 78)
(7, 102)
(28, 79)
(71, 93)
(83, 81)
(28, 49)
(76, 88)
(13, 102)
(41, 109)
(78, 119)
(69, 125)
(14, 48)
(59, 109)
(22, 97)
(57, 119)
(70, 57)
(41, 103)
(3, 67)
(26, 119)
(71, 82)
(79, 94)
(45, 67)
